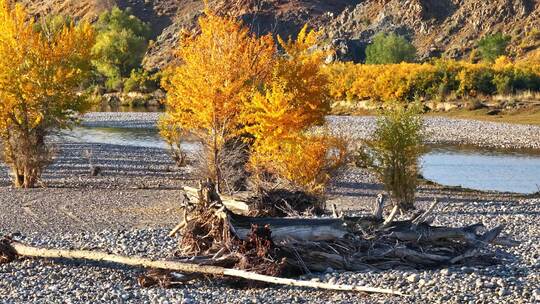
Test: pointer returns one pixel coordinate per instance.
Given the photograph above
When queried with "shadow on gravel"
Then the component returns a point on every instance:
(131, 166)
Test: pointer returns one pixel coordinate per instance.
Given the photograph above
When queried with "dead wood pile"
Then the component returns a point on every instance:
(215, 235)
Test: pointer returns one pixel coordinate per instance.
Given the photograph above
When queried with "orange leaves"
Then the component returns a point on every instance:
(305, 161)
(220, 68)
(281, 114)
(231, 83)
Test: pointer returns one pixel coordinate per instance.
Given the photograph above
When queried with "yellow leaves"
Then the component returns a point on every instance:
(220, 67)
(283, 112)
(305, 161)
(405, 81)
(230, 83)
(39, 76)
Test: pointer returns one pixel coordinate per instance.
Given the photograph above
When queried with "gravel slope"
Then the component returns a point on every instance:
(130, 207)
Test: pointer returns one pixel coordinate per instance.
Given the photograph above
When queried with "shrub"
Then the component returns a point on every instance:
(141, 81)
(281, 114)
(39, 78)
(492, 47)
(474, 79)
(394, 151)
(121, 43)
(390, 48)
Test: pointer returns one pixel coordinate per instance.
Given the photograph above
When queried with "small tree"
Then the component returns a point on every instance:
(220, 67)
(39, 77)
(121, 42)
(280, 116)
(394, 151)
(390, 48)
(492, 47)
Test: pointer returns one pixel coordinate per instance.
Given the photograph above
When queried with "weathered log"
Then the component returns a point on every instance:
(232, 204)
(30, 251)
(283, 229)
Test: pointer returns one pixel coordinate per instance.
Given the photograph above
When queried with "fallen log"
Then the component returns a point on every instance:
(23, 250)
(284, 229)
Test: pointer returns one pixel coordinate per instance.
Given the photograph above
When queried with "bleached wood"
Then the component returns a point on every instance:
(234, 205)
(30, 251)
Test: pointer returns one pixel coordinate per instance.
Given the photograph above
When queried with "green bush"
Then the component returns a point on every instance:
(121, 43)
(141, 81)
(393, 152)
(492, 47)
(503, 83)
(390, 48)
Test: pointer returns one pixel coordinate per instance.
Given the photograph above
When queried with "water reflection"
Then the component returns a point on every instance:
(148, 138)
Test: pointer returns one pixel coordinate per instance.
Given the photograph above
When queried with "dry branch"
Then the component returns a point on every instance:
(29, 251)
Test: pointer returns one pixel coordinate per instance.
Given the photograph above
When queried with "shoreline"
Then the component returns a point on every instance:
(439, 130)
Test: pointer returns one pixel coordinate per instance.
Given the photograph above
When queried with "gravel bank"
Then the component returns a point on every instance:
(129, 208)
(514, 281)
(121, 119)
(440, 130)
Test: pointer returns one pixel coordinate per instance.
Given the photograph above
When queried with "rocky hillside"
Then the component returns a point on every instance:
(437, 27)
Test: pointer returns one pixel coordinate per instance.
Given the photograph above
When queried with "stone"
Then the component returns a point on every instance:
(503, 292)
(413, 278)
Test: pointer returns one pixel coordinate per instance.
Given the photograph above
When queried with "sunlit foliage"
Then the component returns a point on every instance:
(220, 68)
(280, 116)
(39, 78)
(432, 80)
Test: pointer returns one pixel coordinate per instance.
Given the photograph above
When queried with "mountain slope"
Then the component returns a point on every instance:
(437, 27)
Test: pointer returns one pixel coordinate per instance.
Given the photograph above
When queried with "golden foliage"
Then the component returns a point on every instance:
(406, 81)
(281, 114)
(39, 77)
(220, 67)
(305, 161)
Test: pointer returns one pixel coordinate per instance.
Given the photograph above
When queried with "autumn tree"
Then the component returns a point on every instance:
(39, 77)
(282, 113)
(220, 67)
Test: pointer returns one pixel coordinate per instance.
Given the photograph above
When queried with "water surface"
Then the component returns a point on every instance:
(483, 169)
(474, 168)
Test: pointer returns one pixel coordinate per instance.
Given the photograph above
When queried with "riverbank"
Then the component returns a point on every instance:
(439, 130)
(130, 207)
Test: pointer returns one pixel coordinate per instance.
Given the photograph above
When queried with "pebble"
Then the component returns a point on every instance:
(413, 278)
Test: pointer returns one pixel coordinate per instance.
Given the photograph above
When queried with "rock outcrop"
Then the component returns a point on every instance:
(437, 27)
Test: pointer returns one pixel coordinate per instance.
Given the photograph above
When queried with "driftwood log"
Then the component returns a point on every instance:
(210, 229)
(9, 250)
